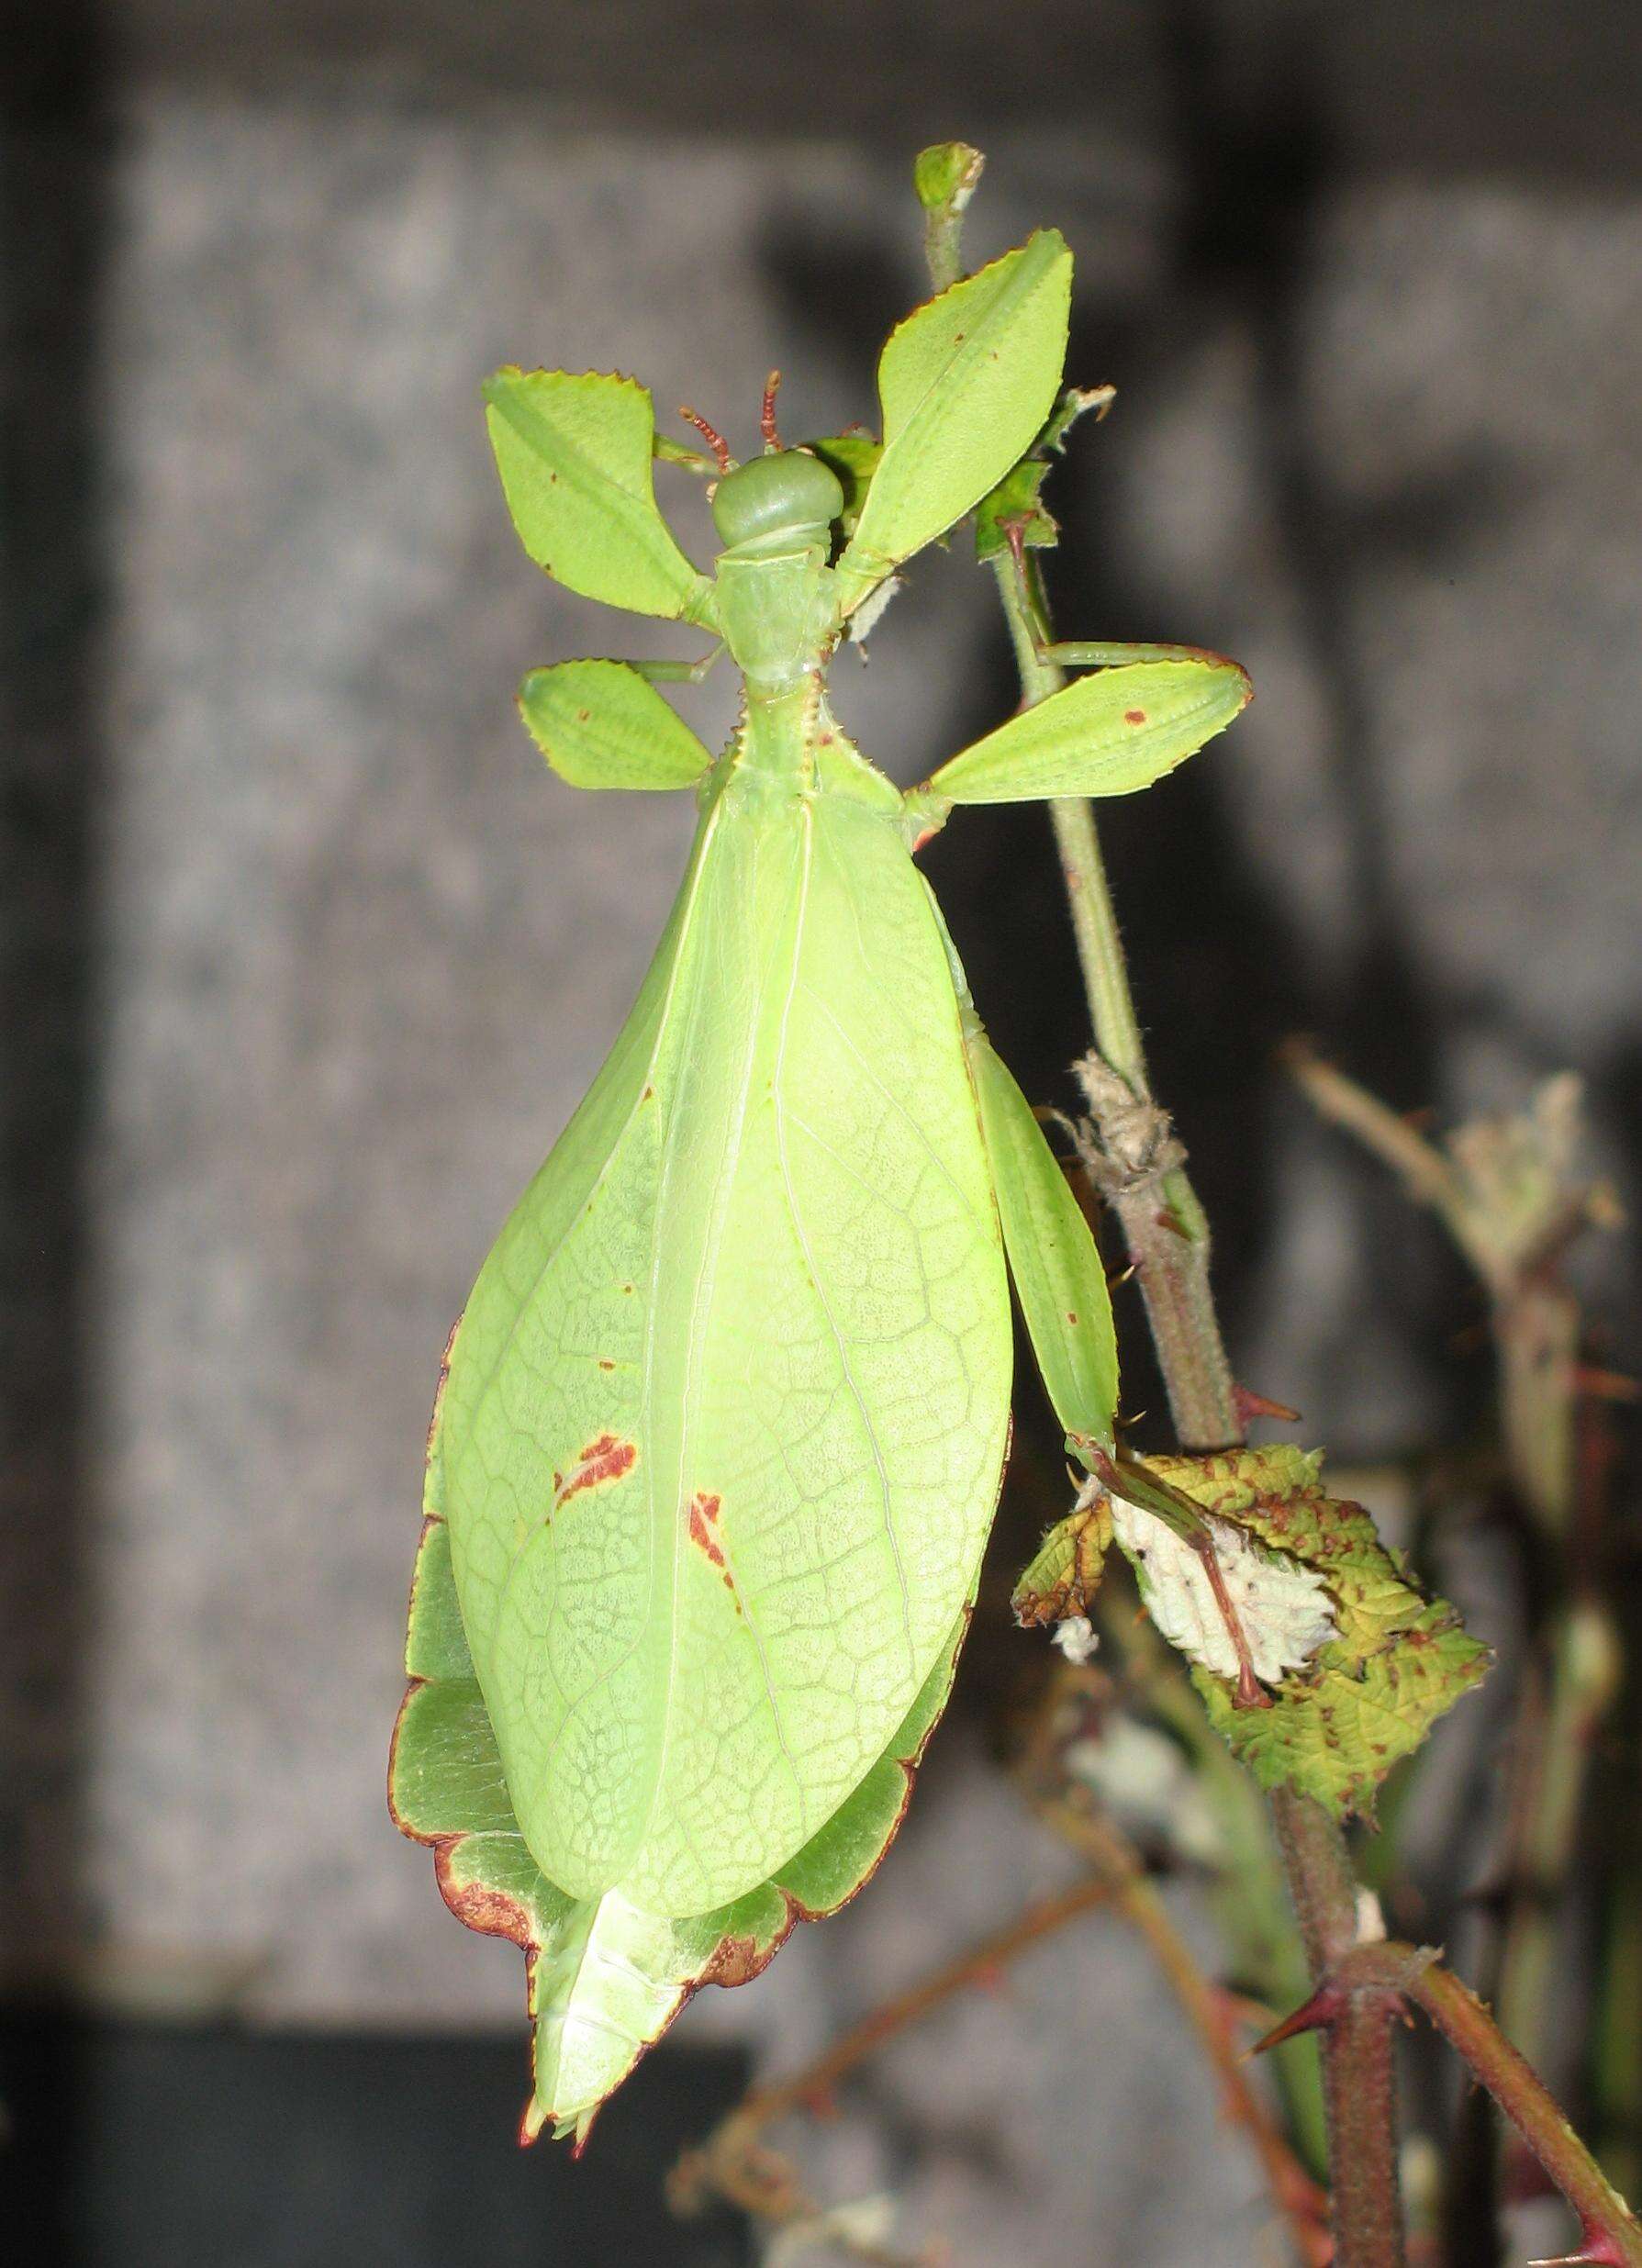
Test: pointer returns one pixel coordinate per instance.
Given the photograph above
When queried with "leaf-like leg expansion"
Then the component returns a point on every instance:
(1102, 735)
(601, 724)
(575, 454)
(965, 383)
(1052, 1253)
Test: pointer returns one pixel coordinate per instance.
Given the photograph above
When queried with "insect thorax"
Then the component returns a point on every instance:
(778, 613)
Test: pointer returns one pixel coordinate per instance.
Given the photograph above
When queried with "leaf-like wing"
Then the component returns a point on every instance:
(1052, 1254)
(965, 383)
(1106, 734)
(606, 1979)
(726, 1415)
(575, 454)
(599, 725)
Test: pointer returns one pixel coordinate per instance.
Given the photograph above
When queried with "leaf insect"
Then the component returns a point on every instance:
(724, 1421)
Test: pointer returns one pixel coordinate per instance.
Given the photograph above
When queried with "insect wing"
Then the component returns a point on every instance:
(1052, 1254)
(725, 1420)
(606, 1978)
(575, 455)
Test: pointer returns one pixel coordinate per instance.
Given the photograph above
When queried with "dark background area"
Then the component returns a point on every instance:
(301, 965)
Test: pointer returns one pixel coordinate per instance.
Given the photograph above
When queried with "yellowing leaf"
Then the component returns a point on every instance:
(1064, 1574)
(1396, 1662)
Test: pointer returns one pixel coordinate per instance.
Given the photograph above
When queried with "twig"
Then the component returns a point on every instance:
(1168, 1235)
(731, 2163)
(1383, 1976)
(1207, 2008)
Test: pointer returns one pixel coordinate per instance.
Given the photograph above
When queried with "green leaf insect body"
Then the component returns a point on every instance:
(725, 1417)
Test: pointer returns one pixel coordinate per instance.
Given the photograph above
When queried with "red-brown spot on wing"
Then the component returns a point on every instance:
(604, 1459)
(1134, 716)
(704, 1514)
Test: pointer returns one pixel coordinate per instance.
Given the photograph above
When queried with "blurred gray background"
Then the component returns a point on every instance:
(306, 959)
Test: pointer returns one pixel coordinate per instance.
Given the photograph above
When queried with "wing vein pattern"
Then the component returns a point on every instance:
(725, 1417)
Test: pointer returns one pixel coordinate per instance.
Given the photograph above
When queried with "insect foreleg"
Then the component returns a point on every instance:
(676, 673)
(1105, 653)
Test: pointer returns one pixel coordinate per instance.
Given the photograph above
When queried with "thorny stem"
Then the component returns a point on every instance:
(1168, 1236)
(1573, 1682)
(1386, 1974)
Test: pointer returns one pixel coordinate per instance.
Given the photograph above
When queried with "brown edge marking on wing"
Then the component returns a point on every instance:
(736, 1960)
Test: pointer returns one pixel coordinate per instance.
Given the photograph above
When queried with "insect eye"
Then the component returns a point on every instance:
(771, 495)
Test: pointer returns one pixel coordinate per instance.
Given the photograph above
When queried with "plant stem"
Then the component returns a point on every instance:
(1610, 2237)
(1168, 1236)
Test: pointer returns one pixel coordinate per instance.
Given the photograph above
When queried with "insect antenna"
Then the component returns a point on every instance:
(766, 416)
(709, 434)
